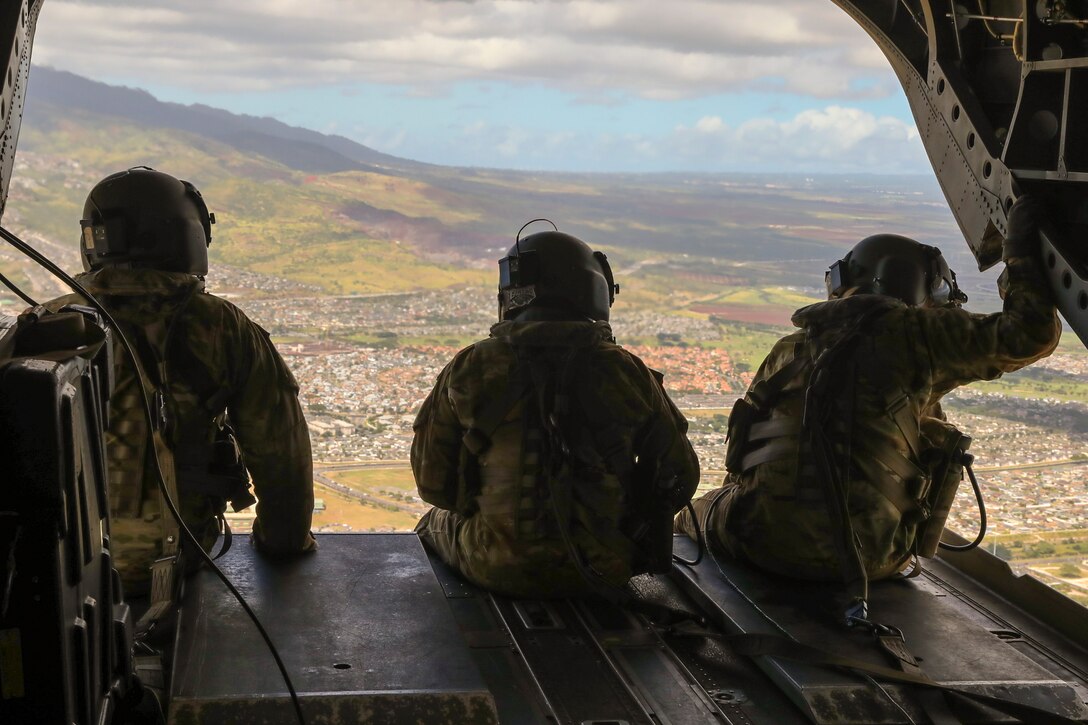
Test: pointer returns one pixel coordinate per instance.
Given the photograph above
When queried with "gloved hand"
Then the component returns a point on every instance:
(1025, 217)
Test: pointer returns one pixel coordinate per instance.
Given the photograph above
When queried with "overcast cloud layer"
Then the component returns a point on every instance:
(807, 52)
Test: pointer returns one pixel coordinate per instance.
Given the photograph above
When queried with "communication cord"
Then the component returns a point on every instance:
(14, 288)
(700, 541)
(981, 516)
(45, 262)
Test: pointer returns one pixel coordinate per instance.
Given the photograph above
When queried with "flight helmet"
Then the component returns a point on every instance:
(145, 218)
(555, 273)
(895, 266)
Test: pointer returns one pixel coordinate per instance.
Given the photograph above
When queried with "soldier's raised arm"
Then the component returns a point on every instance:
(965, 347)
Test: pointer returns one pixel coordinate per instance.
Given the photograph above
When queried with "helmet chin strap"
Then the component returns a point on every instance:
(847, 293)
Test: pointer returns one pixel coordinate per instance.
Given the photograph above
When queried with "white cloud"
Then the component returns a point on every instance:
(709, 124)
(654, 49)
(834, 139)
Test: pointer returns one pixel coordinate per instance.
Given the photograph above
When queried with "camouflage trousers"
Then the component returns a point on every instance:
(710, 515)
(784, 550)
(136, 543)
(533, 570)
(792, 548)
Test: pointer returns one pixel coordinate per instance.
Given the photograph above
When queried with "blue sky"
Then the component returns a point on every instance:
(574, 85)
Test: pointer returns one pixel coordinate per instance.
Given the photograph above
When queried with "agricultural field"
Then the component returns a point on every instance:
(1059, 558)
(343, 514)
(368, 498)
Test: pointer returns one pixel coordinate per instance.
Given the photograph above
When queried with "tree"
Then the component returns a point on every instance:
(1040, 550)
(1069, 570)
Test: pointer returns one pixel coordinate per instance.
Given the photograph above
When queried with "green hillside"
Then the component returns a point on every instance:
(272, 219)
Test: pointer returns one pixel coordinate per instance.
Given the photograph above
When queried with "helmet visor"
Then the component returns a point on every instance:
(941, 292)
(518, 270)
(943, 289)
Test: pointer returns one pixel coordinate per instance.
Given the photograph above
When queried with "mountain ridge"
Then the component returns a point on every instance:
(267, 136)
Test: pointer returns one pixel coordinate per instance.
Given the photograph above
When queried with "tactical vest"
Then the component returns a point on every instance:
(200, 472)
(806, 411)
(575, 479)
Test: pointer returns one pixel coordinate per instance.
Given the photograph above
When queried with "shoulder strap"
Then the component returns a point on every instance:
(822, 383)
(551, 386)
(164, 571)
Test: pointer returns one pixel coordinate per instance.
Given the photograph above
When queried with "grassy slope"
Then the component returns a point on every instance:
(270, 219)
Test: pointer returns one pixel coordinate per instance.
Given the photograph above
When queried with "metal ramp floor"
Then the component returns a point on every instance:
(956, 639)
(374, 630)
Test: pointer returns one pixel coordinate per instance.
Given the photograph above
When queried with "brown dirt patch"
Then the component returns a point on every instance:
(778, 316)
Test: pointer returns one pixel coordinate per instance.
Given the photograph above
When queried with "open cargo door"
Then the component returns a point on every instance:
(999, 91)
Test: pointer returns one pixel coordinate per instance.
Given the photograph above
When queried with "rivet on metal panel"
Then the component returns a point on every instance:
(727, 696)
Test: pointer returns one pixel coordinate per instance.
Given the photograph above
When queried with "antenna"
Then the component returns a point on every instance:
(517, 238)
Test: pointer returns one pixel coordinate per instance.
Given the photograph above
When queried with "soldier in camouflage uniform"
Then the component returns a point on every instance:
(905, 342)
(553, 457)
(145, 239)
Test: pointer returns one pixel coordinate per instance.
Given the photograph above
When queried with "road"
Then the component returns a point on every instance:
(1040, 464)
(320, 470)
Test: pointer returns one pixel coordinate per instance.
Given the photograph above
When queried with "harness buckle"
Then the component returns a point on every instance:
(857, 614)
(896, 405)
(476, 441)
(163, 579)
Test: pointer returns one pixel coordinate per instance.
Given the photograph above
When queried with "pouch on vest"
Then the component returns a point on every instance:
(755, 407)
(652, 534)
(468, 483)
(228, 467)
(947, 474)
(741, 418)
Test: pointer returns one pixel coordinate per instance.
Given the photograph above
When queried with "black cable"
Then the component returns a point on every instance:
(700, 540)
(981, 516)
(150, 418)
(710, 552)
(14, 288)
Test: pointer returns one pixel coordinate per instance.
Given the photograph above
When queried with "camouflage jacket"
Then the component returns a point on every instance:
(508, 539)
(908, 356)
(215, 359)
